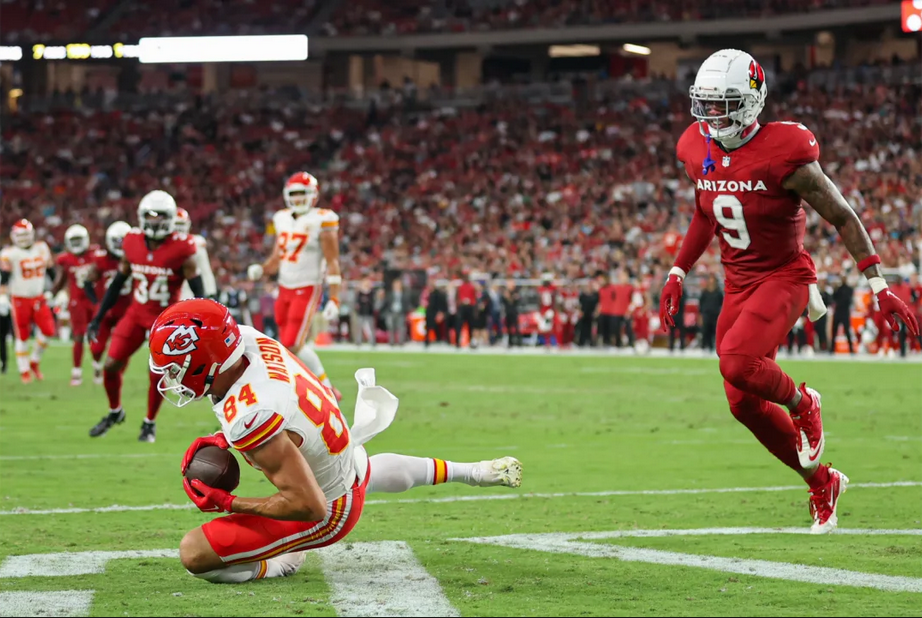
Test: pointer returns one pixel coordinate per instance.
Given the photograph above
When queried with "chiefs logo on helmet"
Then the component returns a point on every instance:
(181, 341)
(756, 75)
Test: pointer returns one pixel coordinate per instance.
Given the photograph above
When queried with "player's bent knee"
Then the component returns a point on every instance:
(196, 554)
(735, 369)
(114, 366)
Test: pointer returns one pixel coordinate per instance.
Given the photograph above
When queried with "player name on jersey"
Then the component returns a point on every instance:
(150, 269)
(271, 353)
(734, 186)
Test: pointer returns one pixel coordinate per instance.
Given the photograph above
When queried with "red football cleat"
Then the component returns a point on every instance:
(809, 424)
(36, 371)
(824, 500)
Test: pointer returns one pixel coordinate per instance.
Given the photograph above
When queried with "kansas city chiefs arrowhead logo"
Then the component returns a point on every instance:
(181, 341)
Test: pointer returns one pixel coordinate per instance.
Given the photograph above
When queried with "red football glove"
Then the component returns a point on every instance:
(892, 307)
(208, 499)
(217, 439)
(669, 301)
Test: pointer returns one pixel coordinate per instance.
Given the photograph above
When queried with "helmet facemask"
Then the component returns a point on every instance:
(156, 223)
(724, 115)
(171, 381)
(77, 242)
(300, 199)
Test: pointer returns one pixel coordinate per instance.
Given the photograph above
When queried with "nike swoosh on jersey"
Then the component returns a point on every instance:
(250, 424)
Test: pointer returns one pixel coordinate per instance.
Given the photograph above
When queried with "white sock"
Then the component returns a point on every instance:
(280, 566)
(39, 348)
(22, 356)
(313, 363)
(392, 473)
(64, 333)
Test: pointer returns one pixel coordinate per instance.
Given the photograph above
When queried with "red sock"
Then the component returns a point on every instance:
(154, 398)
(113, 383)
(819, 478)
(758, 376)
(78, 353)
(772, 426)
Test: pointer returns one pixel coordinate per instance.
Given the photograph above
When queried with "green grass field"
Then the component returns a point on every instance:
(593, 435)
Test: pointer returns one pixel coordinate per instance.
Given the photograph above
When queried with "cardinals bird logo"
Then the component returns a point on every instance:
(181, 341)
(756, 75)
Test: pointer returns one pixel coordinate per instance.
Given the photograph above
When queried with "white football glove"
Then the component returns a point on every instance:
(331, 310)
(61, 300)
(48, 296)
(255, 272)
(5, 306)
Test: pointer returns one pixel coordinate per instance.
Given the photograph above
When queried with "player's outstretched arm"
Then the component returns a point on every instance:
(329, 244)
(111, 296)
(299, 497)
(815, 187)
(191, 272)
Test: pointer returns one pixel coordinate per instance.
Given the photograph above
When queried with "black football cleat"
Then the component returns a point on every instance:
(110, 419)
(148, 432)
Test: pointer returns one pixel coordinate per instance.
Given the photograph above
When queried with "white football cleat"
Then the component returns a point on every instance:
(505, 472)
(809, 425)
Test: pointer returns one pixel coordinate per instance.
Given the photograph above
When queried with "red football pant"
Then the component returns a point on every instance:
(294, 312)
(239, 538)
(28, 311)
(130, 334)
(751, 326)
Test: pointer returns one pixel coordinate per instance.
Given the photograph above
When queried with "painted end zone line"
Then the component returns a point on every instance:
(116, 508)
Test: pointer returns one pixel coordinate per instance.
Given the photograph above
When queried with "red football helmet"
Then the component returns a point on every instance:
(183, 222)
(190, 343)
(22, 234)
(301, 192)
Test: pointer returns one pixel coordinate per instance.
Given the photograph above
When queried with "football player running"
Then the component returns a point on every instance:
(276, 413)
(22, 275)
(76, 265)
(158, 260)
(184, 226)
(307, 244)
(750, 181)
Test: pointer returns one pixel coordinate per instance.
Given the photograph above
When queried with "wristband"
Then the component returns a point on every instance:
(334, 280)
(677, 272)
(869, 261)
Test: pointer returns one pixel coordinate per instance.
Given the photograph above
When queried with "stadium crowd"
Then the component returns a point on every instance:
(577, 190)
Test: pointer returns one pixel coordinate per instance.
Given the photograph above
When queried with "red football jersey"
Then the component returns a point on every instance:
(107, 265)
(759, 223)
(547, 298)
(77, 268)
(157, 273)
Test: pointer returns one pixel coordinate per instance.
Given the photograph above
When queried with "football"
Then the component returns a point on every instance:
(215, 467)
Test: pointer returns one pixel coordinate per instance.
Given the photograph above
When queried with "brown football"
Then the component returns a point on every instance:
(215, 467)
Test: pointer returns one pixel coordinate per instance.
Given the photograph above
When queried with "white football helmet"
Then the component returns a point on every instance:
(301, 192)
(76, 239)
(183, 223)
(115, 234)
(157, 214)
(728, 94)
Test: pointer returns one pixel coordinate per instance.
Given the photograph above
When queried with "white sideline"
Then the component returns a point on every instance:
(56, 603)
(116, 508)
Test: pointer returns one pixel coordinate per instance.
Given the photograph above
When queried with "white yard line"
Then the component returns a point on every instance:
(381, 579)
(58, 603)
(565, 543)
(487, 496)
(72, 563)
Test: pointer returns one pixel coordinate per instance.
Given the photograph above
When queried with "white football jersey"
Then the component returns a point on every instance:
(204, 269)
(299, 239)
(276, 393)
(27, 268)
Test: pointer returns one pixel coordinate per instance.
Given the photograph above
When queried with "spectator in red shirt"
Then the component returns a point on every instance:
(466, 298)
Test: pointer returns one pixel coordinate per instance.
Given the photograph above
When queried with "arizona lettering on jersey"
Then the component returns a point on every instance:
(759, 224)
(78, 268)
(298, 237)
(157, 273)
(27, 269)
(278, 393)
